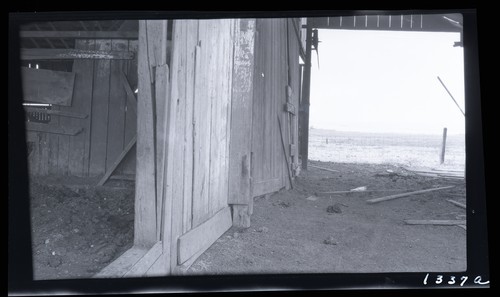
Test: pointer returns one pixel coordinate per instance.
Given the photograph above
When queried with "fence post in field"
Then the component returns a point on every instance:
(443, 146)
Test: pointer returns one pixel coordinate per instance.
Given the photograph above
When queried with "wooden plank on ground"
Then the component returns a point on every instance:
(80, 34)
(99, 114)
(141, 267)
(79, 149)
(159, 267)
(323, 168)
(117, 161)
(376, 200)
(463, 227)
(47, 86)
(50, 128)
(435, 222)
(203, 235)
(457, 203)
(122, 264)
(145, 189)
(73, 54)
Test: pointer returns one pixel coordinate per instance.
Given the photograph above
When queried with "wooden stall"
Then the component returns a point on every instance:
(86, 122)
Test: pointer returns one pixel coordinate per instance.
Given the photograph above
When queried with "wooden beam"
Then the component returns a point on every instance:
(140, 268)
(376, 200)
(117, 161)
(435, 222)
(122, 264)
(61, 113)
(47, 86)
(71, 54)
(304, 108)
(81, 34)
(47, 128)
(287, 159)
(204, 235)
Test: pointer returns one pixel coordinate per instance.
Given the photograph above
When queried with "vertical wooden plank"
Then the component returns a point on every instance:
(161, 90)
(226, 111)
(145, 189)
(43, 150)
(192, 39)
(241, 112)
(214, 66)
(131, 111)
(33, 157)
(99, 111)
(117, 99)
(53, 140)
(82, 100)
(201, 124)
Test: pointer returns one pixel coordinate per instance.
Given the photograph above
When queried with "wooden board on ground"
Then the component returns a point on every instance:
(376, 200)
(203, 235)
(47, 86)
(123, 264)
(142, 266)
(435, 222)
(323, 168)
(457, 203)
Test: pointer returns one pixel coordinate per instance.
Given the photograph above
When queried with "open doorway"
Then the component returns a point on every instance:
(79, 85)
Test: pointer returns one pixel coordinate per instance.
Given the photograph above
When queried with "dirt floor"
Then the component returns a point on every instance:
(343, 233)
(78, 228)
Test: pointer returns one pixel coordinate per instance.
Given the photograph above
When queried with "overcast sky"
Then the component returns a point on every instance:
(383, 81)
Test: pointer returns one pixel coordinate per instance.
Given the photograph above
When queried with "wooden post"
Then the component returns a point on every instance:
(443, 146)
(304, 108)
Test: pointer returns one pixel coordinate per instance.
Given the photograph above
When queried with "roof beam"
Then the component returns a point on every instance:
(71, 54)
(81, 34)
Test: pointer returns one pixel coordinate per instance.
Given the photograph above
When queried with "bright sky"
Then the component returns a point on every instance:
(385, 81)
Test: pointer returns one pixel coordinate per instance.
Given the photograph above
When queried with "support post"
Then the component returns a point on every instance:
(443, 146)
(304, 108)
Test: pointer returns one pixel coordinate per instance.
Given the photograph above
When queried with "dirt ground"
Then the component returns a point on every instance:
(78, 229)
(291, 234)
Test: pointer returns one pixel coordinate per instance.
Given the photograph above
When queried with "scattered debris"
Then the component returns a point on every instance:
(55, 262)
(322, 168)
(53, 253)
(47, 241)
(453, 174)
(375, 200)
(282, 204)
(435, 222)
(236, 234)
(262, 229)
(462, 226)
(330, 241)
(335, 208)
(359, 189)
(312, 198)
(457, 203)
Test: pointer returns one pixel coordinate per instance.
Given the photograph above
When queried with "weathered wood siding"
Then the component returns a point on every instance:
(110, 121)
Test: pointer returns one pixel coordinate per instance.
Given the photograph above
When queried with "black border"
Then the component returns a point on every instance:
(19, 246)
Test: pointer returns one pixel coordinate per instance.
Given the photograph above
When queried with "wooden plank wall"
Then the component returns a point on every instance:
(201, 132)
(108, 127)
(269, 171)
(294, 83)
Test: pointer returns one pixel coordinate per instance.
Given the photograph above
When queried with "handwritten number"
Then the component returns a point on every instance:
(439, 279)
(425, 279)
(452, 280)
(464, 279)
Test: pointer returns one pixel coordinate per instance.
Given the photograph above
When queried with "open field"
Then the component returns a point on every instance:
(410, 150)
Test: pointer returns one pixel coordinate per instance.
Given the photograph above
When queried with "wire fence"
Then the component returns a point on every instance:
(409, 150)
